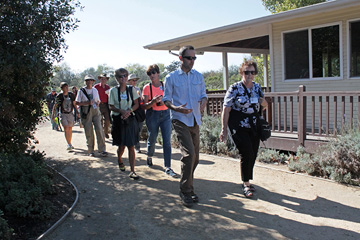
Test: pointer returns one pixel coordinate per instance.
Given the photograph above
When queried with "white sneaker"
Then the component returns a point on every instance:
(170, 172)
(69, 147)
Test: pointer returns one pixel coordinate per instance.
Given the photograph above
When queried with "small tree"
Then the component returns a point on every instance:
(276, 6)
(31, 38)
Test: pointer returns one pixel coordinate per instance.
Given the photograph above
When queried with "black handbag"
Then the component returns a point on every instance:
(264, 129)
(139, 114)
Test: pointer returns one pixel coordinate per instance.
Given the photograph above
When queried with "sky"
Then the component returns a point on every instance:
(114, 32)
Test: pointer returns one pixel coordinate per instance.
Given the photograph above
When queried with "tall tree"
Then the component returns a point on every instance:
(172, 66)
(139, 70)
(31, 38)
(62, 73)
(276, 6)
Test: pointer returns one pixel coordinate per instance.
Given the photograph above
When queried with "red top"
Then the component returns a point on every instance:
(155, 91)
(103, 96)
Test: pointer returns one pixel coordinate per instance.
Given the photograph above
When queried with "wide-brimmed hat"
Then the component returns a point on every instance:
(89, 77)
(132, 77)
(103, 75)
(62, 84)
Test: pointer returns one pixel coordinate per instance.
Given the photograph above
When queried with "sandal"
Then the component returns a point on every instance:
(122, 167)
(134, 176)
(252, 188)
(247, 192)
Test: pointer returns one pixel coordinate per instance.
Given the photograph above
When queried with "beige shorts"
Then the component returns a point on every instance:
(67, 119)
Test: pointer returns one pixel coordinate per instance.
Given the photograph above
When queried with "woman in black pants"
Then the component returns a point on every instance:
(240, 113)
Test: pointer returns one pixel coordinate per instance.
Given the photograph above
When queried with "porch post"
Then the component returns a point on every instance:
(225, 70)
(302, 116)
(266, 72)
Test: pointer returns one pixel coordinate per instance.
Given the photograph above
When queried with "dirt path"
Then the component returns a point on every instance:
(111, 206)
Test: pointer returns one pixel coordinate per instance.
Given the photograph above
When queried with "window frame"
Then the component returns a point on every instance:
(348, 47)
(309, 29)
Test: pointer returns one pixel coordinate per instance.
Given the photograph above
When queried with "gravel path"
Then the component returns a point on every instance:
(112, 206)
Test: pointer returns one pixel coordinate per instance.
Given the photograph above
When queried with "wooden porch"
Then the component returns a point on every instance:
(302, 118)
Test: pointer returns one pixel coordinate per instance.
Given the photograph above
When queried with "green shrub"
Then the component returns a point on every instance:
(209, 134)
(340, 158)
(5, 231)
(304, 162)
(210, 129)
(271, 156)
(24, 183)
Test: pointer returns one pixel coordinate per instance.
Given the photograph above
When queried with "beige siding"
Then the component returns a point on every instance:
(344, 84)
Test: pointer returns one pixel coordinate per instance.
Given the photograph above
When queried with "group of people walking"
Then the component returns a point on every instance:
(175, 104)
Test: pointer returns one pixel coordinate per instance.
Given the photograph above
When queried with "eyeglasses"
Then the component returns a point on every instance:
(152, 72)
(249, 72)
(122, 76)
(189, 58)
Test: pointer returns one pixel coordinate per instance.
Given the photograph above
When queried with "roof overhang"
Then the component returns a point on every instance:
(246, 37)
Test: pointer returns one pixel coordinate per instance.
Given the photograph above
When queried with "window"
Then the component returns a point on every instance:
(312, 53)
(355, 49)
(325, 52)
(296, 44)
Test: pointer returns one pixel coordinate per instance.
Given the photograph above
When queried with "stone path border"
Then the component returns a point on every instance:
(67, 212)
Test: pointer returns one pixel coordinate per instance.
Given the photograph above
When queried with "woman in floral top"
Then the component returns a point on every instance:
(241, 111)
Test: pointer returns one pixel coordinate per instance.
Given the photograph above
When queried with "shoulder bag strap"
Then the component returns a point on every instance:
(150, 92)
(248, 94)
(85, 93)
(119, 98)
(131, 95)
(245, 89)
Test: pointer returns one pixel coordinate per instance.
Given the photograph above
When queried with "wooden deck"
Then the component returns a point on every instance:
(303, 118)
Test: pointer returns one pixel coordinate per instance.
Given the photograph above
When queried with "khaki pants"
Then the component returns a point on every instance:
(189, 139)
(94, 119)
(105, 117)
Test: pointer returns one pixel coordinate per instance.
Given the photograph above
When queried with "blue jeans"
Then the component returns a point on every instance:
(154, 120)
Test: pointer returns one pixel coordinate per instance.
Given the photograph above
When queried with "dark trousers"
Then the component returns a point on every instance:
(248, 145)
(189, 139)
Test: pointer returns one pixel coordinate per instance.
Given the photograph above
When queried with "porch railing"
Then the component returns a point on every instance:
(303, 118)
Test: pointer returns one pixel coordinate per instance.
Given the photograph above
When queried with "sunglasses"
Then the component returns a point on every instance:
(122, 76)
(189, 58)
(151, 72)
(249, 72)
